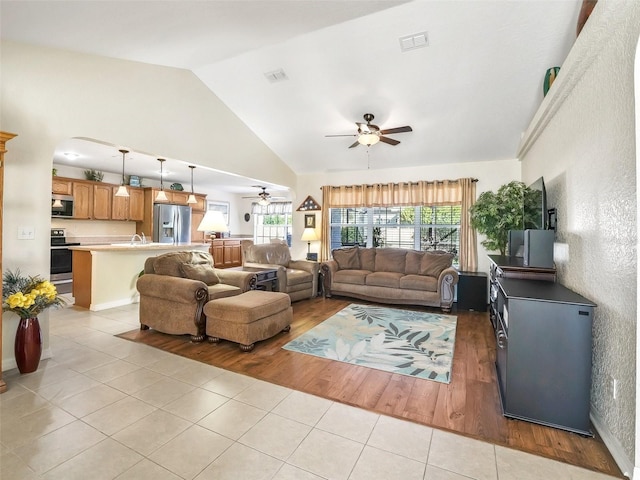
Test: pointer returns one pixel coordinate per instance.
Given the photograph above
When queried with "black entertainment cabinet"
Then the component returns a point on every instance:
(543, 350)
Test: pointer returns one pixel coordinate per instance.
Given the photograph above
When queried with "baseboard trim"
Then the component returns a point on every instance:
(96, 307)
(614, 446)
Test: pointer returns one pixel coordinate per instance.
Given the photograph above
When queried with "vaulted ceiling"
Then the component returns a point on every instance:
(468, 94)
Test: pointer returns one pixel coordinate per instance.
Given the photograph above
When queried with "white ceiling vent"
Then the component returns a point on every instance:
(276, 76)
(411, 42)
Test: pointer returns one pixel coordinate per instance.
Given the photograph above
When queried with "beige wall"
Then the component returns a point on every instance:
(582, 142)
(48, 96)
(490, 175)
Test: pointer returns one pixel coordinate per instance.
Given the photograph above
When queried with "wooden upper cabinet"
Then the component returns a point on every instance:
(102, 198)
(201, 206)
(82, 200)
(61, 187)
(179, 198)
(136, 204)
(128, 208)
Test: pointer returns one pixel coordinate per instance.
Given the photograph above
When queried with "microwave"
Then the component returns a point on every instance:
(61, 206)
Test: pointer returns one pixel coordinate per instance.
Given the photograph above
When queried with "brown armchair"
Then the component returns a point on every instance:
(175, 287)
(297, 278)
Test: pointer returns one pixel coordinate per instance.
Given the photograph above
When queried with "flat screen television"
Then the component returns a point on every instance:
(535, 206)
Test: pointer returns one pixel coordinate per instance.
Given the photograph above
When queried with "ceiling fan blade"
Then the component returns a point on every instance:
(345, 135)
(355, 144)
(390, 141)
(396, 130)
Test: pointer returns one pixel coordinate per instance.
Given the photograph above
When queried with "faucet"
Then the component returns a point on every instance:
(144, 239)
(134, 238)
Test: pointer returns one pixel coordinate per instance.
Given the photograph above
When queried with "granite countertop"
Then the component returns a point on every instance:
(127, 246)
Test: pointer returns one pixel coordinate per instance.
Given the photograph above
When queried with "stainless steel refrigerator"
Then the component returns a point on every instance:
(171, 224)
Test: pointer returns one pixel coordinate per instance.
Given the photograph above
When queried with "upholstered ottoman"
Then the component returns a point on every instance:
(248, 318)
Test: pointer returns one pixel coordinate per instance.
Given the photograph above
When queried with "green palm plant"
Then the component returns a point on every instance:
(513, 207)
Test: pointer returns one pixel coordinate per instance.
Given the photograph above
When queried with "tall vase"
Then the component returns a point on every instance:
(28, 346)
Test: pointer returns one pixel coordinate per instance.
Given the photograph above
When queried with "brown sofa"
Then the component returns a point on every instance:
(391, 275)
(175, 287)
(298, 278)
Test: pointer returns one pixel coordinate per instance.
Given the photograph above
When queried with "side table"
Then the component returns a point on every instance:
(472, 291)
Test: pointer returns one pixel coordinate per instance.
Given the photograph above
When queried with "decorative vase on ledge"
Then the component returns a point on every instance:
(28, 346)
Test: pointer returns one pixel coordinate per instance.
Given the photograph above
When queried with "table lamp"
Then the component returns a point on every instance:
(213, 221)
(309, 235)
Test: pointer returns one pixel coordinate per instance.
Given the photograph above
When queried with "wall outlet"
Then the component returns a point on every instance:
(26, 232)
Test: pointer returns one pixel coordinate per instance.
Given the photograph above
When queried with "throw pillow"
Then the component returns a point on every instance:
(413, 261)
(347, 258)
(169, 263)
(434, 263)
(367, 258)
(200, 271)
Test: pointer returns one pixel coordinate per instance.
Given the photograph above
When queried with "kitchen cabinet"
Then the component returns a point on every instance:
(102, 198)
(196, 236)
(179, 198)
(201, 206)
(61, 186)
(543, 353)
(82, 200)
(128, 208)
(226, 252)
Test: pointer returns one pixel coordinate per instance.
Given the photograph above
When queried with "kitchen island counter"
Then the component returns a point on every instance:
(104, 276)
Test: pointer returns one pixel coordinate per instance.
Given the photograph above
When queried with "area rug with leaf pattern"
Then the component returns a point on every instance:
(407, 342)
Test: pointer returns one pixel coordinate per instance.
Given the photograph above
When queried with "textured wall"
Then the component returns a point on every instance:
(587, 155)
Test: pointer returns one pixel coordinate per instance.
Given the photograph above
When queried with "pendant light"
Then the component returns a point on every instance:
(192, 197)
(122, 189)
(161, 197)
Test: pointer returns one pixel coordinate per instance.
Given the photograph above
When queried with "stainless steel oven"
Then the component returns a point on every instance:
(61, 261)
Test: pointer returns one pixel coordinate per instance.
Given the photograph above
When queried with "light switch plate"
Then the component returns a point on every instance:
(26, 232)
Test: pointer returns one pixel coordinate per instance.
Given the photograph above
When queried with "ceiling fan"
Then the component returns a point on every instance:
(370, 134)
(264, 197)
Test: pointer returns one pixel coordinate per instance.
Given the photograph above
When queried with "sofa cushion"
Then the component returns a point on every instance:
(390, 260)
(347, 258)
(412, 262)
(367, 258)
(354, 277)
(434, 263)
(200, 271)
(419, 282)
(222, 290)
(296, 277)
(384, 279)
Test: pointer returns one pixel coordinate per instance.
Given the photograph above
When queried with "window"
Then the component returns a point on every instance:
(272, 221)
(435, 227)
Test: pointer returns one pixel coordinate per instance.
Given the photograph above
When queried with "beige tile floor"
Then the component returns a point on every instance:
(106, 408)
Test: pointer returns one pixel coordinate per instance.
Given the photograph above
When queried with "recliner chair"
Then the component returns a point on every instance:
(297, 278)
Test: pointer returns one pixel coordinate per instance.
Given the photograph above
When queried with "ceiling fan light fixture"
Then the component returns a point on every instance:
(368, 139)
(264, 202)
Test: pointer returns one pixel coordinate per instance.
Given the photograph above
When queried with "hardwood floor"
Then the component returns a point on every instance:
(469, 405)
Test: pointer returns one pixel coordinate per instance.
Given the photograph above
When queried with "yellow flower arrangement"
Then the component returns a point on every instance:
(28, 296)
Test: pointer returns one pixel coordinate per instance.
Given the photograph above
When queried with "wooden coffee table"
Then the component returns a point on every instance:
(266, 278)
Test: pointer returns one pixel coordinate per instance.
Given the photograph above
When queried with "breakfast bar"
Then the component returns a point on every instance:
(104, 276)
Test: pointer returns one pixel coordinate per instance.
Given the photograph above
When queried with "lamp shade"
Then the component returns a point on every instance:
(309, 235)
(213, 221)
(122, 191)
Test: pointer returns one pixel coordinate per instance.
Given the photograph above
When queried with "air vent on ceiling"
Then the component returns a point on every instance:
(411, 42)
(276, 76)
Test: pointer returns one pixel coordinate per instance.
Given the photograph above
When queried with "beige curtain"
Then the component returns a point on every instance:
(445, 192)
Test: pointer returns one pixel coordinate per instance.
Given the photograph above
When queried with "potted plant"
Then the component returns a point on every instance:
(512, 207)
(27, 297)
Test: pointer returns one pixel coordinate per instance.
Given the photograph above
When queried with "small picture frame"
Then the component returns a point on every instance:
(312, 256)
(310, 221)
